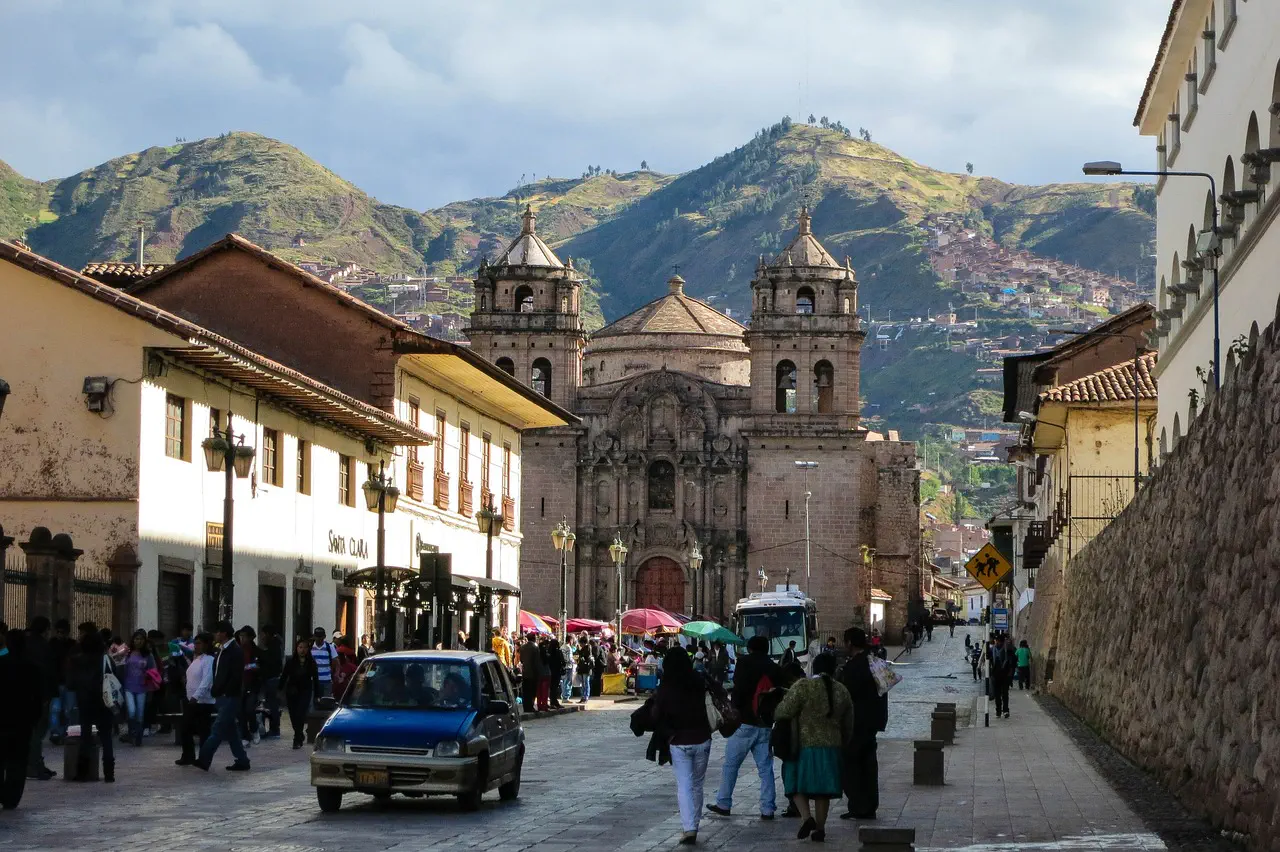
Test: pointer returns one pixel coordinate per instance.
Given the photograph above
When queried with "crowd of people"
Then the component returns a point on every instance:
(1002, 664)
(822, 724)
(225, 686)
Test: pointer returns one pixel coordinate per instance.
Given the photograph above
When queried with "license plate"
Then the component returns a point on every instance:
(373, 778)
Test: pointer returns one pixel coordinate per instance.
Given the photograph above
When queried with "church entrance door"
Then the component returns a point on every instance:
(660, 584)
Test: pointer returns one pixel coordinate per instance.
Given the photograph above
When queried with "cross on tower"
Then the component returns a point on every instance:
(675, 269)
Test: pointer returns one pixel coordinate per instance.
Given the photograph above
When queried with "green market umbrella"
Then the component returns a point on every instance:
(711, 632)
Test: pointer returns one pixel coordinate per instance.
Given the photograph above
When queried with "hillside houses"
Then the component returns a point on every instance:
(1039, 287)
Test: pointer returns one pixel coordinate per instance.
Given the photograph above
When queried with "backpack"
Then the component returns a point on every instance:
(762, 710)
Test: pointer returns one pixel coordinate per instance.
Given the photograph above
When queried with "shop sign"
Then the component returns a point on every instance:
(348, 546)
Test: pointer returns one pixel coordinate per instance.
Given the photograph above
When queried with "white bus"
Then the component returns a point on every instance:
(782, 617)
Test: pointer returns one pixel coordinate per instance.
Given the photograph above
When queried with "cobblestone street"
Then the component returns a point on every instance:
(1020, 784)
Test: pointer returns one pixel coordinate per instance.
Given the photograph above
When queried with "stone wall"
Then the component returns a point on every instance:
(1168, 638)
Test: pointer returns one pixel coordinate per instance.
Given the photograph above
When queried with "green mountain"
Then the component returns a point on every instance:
(21, 200)
(625, 230)
(190, 194)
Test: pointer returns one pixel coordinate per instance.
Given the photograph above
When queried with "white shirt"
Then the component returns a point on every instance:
(200, 680)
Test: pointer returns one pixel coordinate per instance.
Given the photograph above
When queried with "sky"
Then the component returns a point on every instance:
(420, 102)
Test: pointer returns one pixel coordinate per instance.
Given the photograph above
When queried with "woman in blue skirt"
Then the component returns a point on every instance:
(823, 712)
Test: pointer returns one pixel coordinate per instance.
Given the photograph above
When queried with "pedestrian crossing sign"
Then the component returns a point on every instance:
(988, 566)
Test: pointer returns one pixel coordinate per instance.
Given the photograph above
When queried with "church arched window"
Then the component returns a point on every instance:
(804, 300)
(507, 366)
(824, 379)
(484, 302)
(540, 378)
(785, 401)
(662, 486)
(524, 300)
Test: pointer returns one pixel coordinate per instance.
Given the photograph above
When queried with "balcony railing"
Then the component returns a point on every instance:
(509, 513)
(465, 491)
(442, 490)
(415, 480)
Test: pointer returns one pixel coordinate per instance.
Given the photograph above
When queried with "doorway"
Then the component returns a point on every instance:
(660, 584)
(174, 603)
(271, 607)
(302, 614)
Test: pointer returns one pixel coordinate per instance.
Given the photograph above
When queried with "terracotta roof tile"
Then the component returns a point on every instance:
(1114, 384)
(674, 313)
(118, 273)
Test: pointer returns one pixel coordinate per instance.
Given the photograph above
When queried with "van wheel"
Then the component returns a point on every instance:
(330, 799)
(470, 800)
(381, 799)
(510, 790)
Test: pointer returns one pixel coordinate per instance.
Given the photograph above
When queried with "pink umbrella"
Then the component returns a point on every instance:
(648, 621)
(588, 625)
(533, 623)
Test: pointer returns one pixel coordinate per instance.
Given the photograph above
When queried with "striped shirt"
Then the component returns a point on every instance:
(324, 655)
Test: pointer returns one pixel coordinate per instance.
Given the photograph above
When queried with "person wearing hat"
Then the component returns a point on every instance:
(860, 771)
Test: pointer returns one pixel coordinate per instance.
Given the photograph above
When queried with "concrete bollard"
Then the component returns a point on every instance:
(887, 839)
(943, 725)
(928, 766)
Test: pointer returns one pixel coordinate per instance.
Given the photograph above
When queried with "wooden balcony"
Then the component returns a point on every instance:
(442, 491)
(465, 492)
(509, 513)
(414, 489)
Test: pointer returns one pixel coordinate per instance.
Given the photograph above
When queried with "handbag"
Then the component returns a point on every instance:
(112, 691)
(714, 719)
(151, 680)
(883, 674)
(784, 741)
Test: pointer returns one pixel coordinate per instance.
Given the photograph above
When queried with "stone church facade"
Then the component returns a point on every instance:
(692, 425)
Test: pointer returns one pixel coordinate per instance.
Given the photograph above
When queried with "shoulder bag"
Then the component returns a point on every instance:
(112, 691)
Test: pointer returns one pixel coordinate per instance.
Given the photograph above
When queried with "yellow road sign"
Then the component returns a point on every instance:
(988, 566)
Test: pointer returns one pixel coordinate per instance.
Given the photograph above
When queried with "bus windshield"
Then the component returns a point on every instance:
(780, 625)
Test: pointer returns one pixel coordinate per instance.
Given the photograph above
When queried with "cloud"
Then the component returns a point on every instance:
(424, 101)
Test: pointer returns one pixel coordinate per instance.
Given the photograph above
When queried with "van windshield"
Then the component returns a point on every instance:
(411, 685)
(779, 625)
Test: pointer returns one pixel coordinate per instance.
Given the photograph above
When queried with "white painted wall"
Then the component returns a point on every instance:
(1241, 84)
(975, 601)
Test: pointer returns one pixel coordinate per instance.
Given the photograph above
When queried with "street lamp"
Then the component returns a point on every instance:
(1208, 244)
(695, 568)
(807, 466)
(1137, 352)
(618, 553)
(563, 538)
(490, 523)
(380, 496)
(225, 451)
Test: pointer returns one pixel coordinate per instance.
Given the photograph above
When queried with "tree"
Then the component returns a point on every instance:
(813, 119)
(644, 165)
(968, 167)
(865, 134)
(824, 121)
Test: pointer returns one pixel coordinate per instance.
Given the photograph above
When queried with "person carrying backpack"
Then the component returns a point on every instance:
(756, 676)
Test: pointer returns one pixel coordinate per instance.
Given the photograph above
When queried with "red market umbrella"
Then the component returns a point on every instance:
(648, 621)
(588, 625)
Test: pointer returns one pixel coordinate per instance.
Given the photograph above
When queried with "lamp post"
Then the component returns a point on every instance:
(563, 538)
(1137, 431)
(695, 568)
(618, 553)
(380, 496)
(225, 451)
(489, 521)
(1207, 244)
(807, 466)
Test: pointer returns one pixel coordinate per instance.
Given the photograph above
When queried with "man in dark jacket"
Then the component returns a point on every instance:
(530, 672)
(228, 680)
(270, 665)
(40, 655)
(756, 674)
(861, 772)
(1003, 665)
(19, 712)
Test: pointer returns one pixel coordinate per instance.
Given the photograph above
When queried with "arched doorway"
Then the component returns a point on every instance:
(660, 584)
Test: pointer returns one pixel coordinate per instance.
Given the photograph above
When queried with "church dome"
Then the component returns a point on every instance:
(675, 332)
(528, 249)
(805, 250)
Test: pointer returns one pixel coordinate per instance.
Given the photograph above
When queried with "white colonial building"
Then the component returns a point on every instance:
(1211, 103)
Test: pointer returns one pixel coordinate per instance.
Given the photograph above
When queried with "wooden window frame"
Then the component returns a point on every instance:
(270, 456)
(466, 505)
(441, 495)
(303, 459)
(508, 499)
(176, 447)
(346, 494)
(486, 459)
